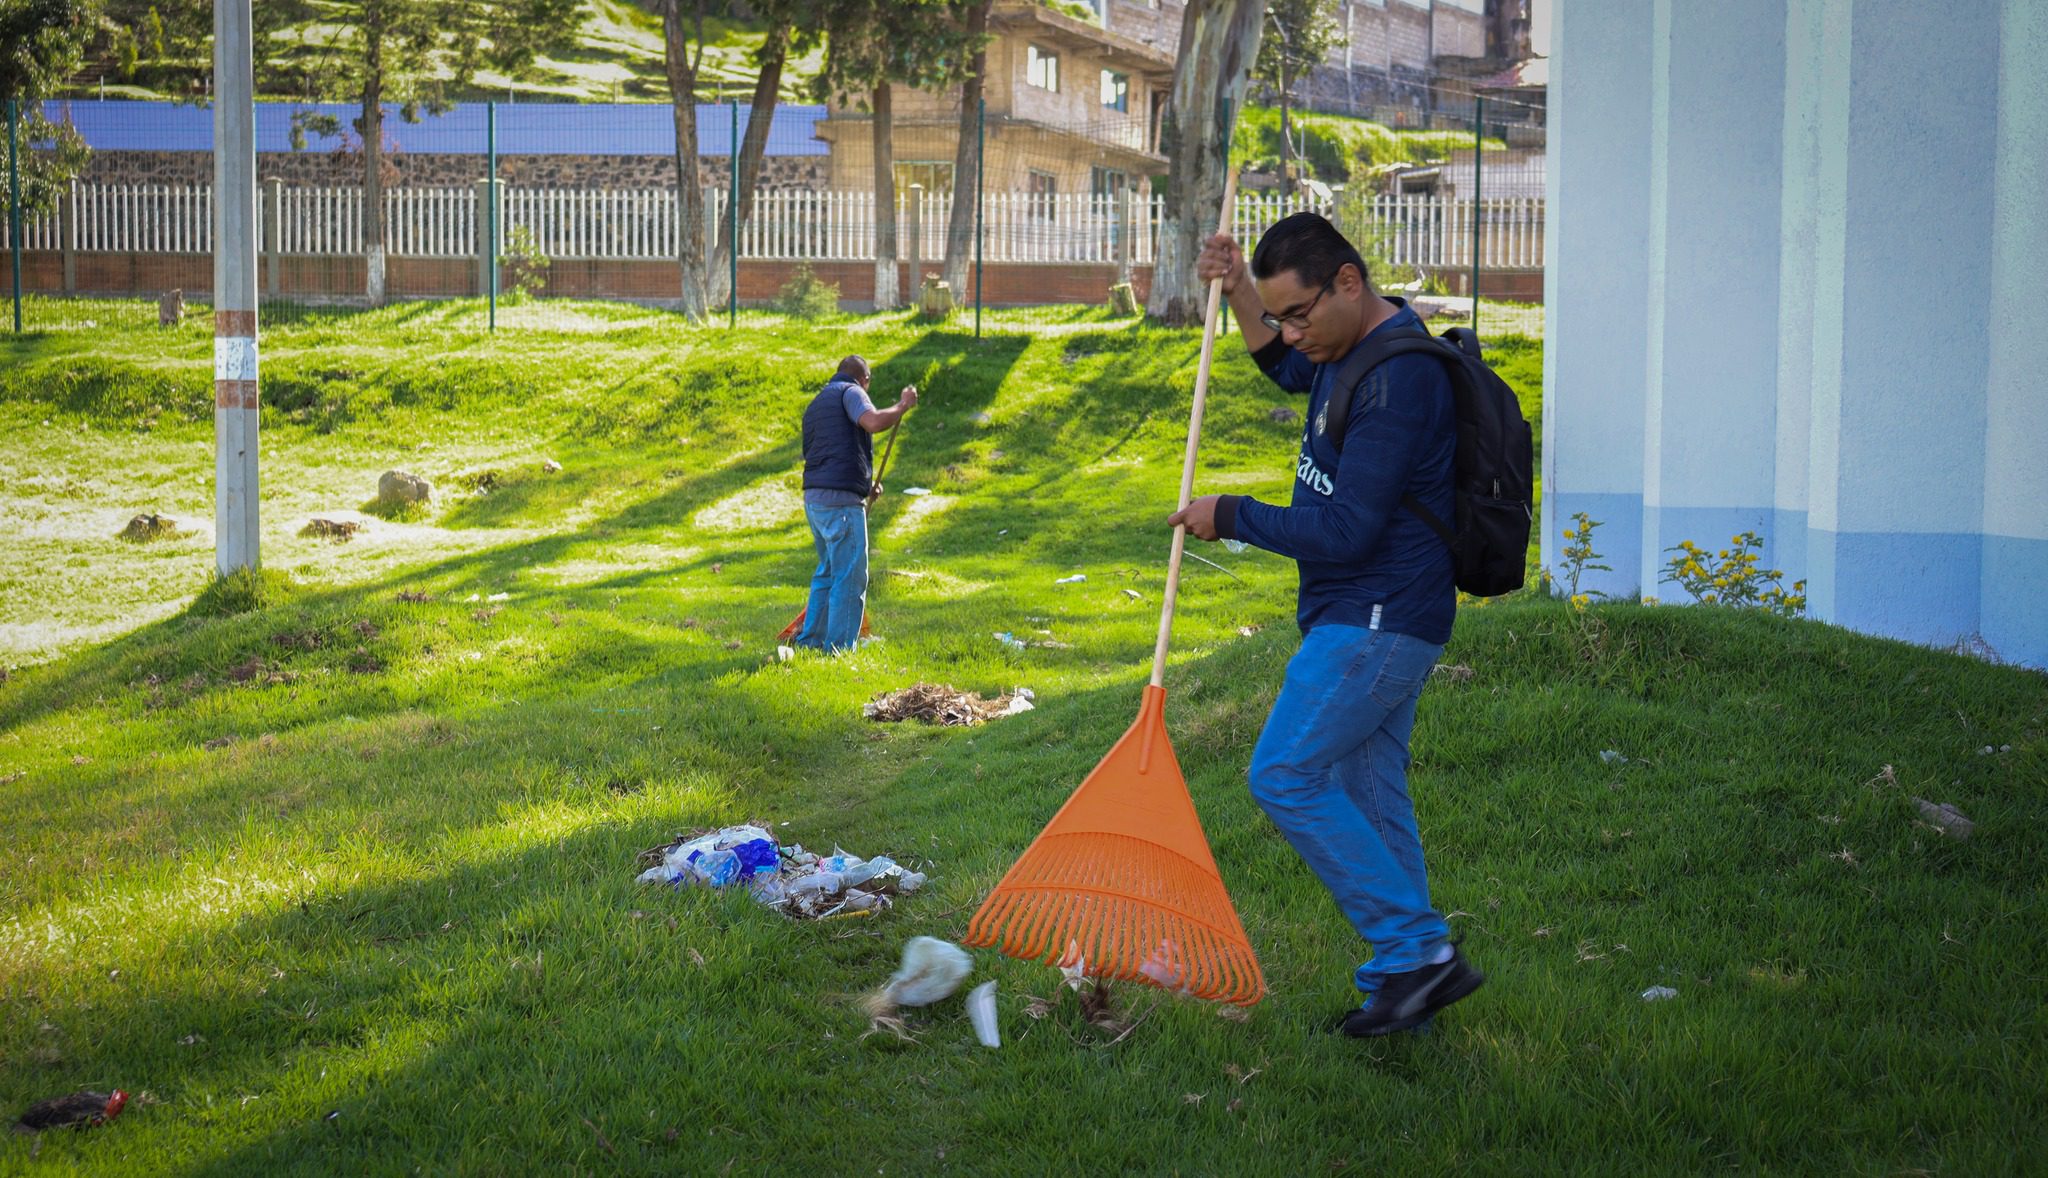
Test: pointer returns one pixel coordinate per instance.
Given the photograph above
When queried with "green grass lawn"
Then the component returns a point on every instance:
(344, 883)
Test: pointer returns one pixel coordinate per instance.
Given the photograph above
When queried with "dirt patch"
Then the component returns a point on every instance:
(338, 530)
(150, 527)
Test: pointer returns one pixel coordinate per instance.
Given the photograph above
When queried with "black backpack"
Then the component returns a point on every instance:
(1492, 472)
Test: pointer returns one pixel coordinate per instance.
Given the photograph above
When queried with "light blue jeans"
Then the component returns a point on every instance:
(1331, 771)
(839, 589)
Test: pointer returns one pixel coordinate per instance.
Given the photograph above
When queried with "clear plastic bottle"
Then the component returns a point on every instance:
(861, 871)
(716, 868)
(827, 882)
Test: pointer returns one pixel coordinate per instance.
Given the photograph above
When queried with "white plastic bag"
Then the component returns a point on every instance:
(932, 970)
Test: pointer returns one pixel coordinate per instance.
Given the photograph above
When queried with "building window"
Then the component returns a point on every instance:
(935, 175)
(1044, 188)
(1107, 181)
(1042, 69)
(1116, 90)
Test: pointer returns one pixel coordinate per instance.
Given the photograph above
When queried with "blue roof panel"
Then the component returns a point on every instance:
(602, 128)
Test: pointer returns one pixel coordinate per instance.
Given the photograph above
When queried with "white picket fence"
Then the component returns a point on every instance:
(787, 225)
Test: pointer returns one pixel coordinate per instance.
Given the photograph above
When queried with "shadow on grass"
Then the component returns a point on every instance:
(495, 1001)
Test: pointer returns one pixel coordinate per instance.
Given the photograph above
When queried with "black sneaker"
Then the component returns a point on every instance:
(1410, 999)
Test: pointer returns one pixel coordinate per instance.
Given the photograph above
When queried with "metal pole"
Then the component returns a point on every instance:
(980, 187)
(732, 210)
(491, 200)
(1478, 150)
(14, 201)
(237, 416)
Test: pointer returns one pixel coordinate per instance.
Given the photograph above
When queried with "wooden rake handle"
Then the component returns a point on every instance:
(888, 448)
(1187, 470)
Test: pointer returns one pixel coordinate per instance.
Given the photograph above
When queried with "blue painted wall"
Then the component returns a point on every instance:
(1794, 292)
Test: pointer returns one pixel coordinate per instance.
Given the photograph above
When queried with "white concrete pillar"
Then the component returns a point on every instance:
(1597, 218)
(2014, 623)
(237, 416)
(1901, 299)
(1711, 385)
(1816, 96)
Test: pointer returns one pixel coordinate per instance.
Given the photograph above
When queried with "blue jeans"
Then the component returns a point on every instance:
(839, 589)
(1331, 771)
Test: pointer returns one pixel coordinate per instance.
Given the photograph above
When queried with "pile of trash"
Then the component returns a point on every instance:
(939, 704)
(798, 883)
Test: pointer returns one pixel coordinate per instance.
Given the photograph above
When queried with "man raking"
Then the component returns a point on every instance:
(1375, 606)
(839, 484)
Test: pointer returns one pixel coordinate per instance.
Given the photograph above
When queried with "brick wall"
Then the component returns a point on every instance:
(341, 279)
(1407, 35)
(1154, 24)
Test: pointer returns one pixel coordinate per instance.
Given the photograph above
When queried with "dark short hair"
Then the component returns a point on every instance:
(1309, 245)
(853, 368)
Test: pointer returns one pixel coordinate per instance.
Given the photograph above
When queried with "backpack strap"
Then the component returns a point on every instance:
(1351, 375)
(1337, 414)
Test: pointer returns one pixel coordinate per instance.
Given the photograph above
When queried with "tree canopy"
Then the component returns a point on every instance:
(41, 43)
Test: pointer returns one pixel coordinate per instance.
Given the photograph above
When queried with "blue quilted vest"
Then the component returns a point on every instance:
(838, 454)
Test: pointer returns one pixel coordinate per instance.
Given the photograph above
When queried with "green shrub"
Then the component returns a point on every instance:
(522, 268)
(805, 296)
(1732, 577)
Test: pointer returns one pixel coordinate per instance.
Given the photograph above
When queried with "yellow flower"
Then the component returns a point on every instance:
(1568, 534)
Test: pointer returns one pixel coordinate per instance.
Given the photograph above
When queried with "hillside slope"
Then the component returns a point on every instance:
(343, 882)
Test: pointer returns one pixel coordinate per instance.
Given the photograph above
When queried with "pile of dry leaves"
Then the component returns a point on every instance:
(936, 703)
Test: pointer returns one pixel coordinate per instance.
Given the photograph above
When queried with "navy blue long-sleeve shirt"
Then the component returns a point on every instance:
(1365, 560)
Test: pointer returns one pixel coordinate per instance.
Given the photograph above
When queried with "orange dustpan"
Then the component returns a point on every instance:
(796, 624)
(1121, 881)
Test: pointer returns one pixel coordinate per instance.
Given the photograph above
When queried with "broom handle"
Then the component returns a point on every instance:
(1187, 470)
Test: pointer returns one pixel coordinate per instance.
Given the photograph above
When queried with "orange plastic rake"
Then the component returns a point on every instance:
(1121, 881)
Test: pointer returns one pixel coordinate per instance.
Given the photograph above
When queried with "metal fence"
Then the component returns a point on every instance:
(1426, 231)
(1051, 205)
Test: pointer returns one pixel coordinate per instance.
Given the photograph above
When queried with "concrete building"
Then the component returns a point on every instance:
(1073, 107)
(1795, 290)
(1387, 60)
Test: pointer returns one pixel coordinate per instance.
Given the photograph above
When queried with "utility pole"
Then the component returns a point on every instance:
(14, 201)
(732, 156)
(1478, 149)
(236, 415)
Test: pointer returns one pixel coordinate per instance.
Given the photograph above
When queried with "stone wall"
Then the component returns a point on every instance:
(326, 168)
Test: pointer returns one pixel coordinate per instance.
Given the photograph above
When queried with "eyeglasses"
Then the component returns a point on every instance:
(1299, 320)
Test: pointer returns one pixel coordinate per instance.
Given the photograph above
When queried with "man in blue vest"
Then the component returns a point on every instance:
(839, 483)
(1375, 605)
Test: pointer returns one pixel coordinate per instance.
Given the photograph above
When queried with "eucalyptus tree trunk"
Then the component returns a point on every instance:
(682, 90)
(887, 297)
(1219, 41)
(370, 125)
(760, 117)
(967, 161)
